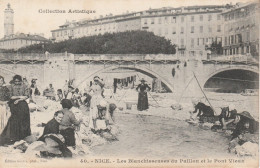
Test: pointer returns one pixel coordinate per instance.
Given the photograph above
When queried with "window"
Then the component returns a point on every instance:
(145, 21)
(159, 20)
(166, 19)
(225, 40)
(226, 17)
(192, 29)
(173, 19)
(201, 29)
(152, 22)
(182, 19)
(209, 17)
(198, 43)
(231, 16)
(182, 30)
(201, 17)
(192, 19)
(192, 43)
(53, 35)
(174, 30)
(232, 39)
(219, 28)
(247, 36)
(182, 42)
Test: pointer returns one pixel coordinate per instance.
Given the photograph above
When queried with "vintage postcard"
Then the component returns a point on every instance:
(128, 83)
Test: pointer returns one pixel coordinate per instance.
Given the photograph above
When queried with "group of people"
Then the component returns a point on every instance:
(229, 119)
(60, 129)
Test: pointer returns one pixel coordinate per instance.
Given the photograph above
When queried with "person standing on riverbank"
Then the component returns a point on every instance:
(95, 91)
(143, 88)
(19, 125)
(4, 98)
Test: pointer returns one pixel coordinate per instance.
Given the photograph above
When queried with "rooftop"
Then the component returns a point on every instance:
(25, 37)
(145, 12)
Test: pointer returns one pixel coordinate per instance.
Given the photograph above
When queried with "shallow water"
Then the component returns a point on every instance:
(156, 137)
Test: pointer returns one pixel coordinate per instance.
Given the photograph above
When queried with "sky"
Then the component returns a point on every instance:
(28, 19)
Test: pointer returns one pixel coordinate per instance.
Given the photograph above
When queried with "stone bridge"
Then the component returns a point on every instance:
(174, 72)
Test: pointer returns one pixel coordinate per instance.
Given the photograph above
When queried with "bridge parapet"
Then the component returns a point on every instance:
(129, 57)
(238, 57)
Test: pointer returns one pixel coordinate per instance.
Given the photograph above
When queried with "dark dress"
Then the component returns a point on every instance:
(52, 127)
(18, 126)
(67, 127)
(206, 110)
(227, 115)
(4, 93)
(142, 97)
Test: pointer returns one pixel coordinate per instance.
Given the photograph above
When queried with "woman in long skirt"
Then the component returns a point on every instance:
(96, 90)
(143, 88)
(4, 109)
(18, 126)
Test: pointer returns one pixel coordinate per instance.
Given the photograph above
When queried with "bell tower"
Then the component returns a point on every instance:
(8, 21)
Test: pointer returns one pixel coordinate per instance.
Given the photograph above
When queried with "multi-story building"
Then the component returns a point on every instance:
(190, 28)
(241, 30)
(18, 40)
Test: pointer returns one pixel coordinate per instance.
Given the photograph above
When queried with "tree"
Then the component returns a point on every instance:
(129, 42)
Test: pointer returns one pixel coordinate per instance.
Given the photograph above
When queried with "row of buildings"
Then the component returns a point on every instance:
(13, 40)
(192, 28)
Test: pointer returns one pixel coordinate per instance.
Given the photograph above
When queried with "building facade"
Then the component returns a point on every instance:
(189, 28)
(241, 30)
(18, 40)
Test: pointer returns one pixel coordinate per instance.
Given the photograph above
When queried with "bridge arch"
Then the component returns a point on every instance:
(234, 79)
(143, 70)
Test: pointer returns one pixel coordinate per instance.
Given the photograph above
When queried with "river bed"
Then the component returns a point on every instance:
(143, 136)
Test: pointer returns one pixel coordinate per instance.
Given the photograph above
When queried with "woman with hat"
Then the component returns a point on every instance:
(142, 88)
(18, 126)
(245, 125)
(34, 91)
(96, 95)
